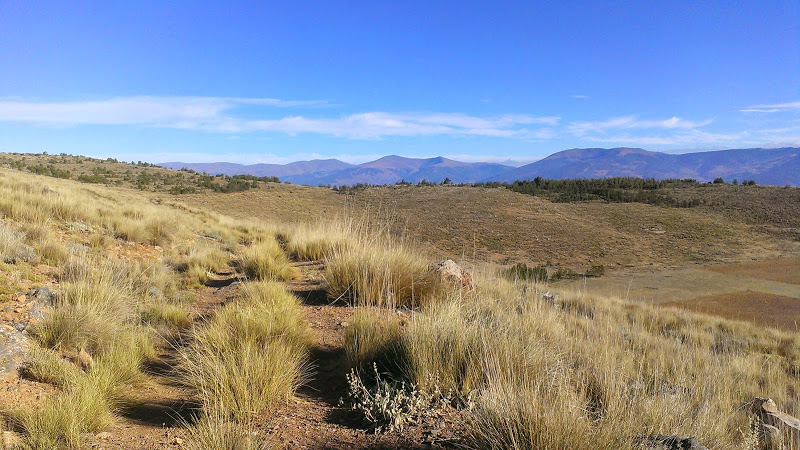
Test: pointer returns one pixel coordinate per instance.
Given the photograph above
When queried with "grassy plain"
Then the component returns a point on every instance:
(242, 314)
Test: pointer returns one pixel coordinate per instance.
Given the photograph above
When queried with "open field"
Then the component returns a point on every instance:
(785, 270)
(287, 316)
(505, 227)
(760, 308)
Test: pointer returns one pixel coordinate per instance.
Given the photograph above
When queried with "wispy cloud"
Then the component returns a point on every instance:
(219, 114)
(579, 96)
(631, 122)
(777, 107)
(138, 110)
(691, 137)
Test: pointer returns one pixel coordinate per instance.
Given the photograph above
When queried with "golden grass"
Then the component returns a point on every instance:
(251, 356)
(307, 242)
(377, 271)
(60, 423)
(375, 337)
(47, 366)
(213, 432)
(266, 260)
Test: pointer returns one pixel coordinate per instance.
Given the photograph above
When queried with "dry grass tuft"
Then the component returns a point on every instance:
(266, 260)
(212, 432)
(250, 356)
(379, 272)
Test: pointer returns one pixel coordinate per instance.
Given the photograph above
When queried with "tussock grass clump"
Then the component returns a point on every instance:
(316, 242)
(13, 248)
(47, 366)
(376, 338)
(265, 260)
(213, 432)
(80, 408)
(95, 306)
(173, 316)
(380, 273)
(199, 259)
(250, 356)
(575, 371)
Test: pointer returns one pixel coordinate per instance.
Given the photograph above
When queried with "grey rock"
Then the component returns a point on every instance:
(154, 292)
(13, 348)
(667, 442)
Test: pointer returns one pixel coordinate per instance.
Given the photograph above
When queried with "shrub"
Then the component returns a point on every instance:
(389, 405)
(522, 271)
(13, 248)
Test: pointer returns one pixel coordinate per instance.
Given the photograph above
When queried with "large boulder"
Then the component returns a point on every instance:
(450, 272)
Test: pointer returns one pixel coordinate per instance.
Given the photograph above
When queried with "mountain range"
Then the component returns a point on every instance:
(774, 166)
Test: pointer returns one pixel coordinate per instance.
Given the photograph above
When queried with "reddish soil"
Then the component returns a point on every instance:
(784, 270)
(155, 414)
(757, 307)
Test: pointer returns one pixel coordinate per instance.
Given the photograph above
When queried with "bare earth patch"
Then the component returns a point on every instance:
(784, 270)
(757, 307)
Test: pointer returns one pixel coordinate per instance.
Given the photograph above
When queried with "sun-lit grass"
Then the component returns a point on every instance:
(266, 260)
(47, 366)
(308, 242)
(376, 337)
(213, 432)
(251, 356)
(377, 271)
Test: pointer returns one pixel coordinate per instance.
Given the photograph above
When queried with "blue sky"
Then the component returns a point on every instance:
(285, 81)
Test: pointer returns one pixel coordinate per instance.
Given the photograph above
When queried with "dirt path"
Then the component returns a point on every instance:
(316, 419)
(154, 415)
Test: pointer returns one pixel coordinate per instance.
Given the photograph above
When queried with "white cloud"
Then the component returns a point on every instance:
(218, 114)
(631, 122)
(579, 96)
(139, 110)
(777, 107)
(683, 138)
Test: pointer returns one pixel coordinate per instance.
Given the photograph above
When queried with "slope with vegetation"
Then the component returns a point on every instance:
(254, 328)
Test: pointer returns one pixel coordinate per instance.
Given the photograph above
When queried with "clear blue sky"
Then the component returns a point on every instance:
(284, 81)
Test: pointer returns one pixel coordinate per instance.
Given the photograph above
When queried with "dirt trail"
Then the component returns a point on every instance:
(315, 419)
(154, 416)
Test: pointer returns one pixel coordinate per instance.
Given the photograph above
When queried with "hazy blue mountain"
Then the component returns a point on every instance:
(386, 170)
(778, 166)
(278, 170)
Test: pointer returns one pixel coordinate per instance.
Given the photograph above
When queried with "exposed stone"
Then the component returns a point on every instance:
(667, 442)
(13, 348)
(84, 360)
(788, 426)
(103, 435)
(11, 439)
(154, 292)
(449, 271)
(42, 295)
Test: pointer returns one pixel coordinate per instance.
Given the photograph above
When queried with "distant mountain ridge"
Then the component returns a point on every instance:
(779, 166)
(387, 170)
